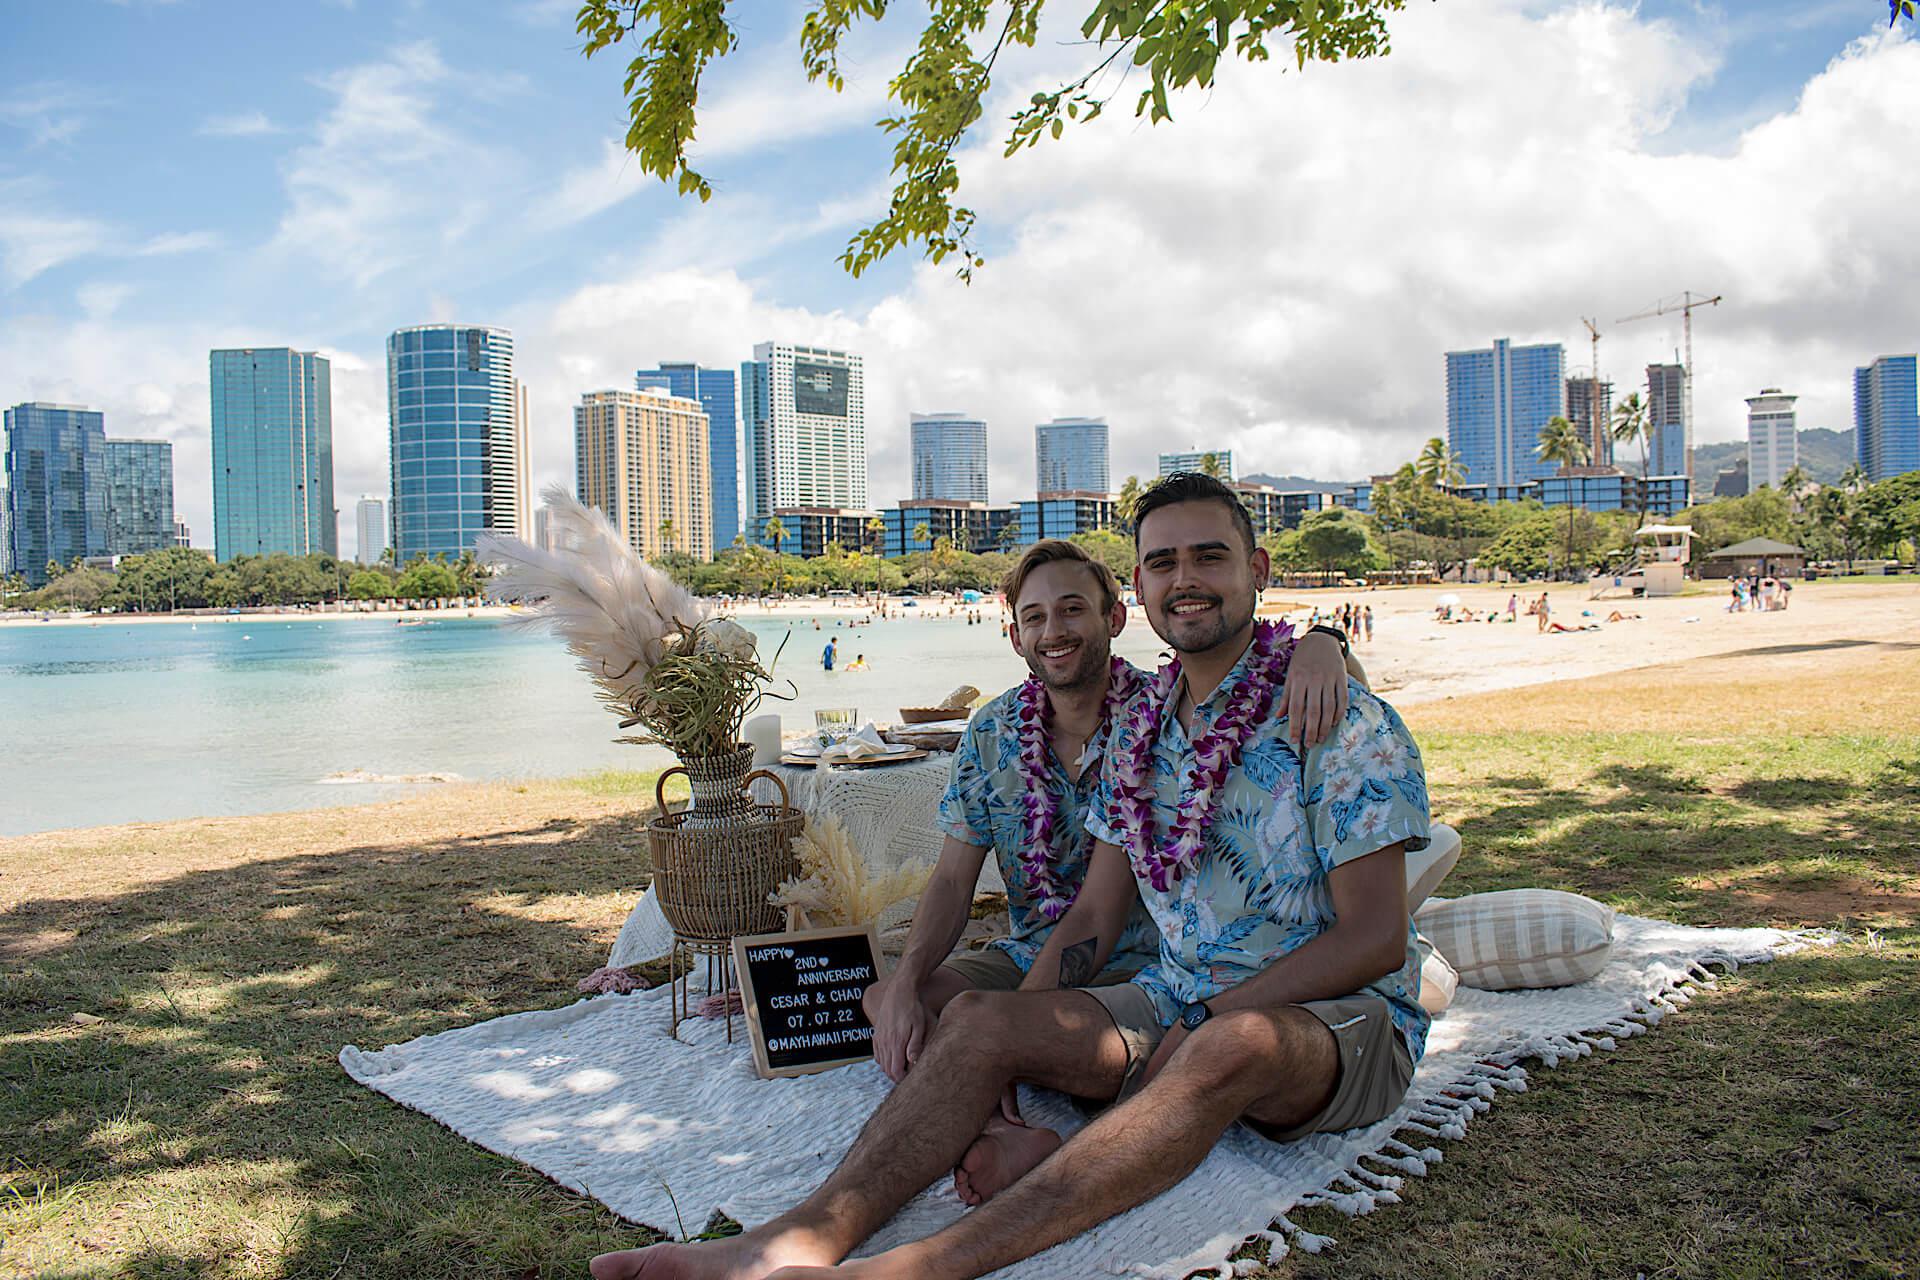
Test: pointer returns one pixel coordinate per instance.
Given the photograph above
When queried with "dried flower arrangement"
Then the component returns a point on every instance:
(836, 886)
(660, 662)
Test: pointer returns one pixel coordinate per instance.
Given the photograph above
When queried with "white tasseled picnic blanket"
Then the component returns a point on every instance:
(667, 1133)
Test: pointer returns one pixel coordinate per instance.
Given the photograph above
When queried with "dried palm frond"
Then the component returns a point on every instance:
(837, 886)
(617, 613)
(658, 660)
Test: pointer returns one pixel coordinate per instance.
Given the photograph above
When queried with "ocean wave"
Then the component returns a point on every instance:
(355, 776)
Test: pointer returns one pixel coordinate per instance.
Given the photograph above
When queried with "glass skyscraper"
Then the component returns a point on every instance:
(949, 457)
(715, 389)
(457, 426)
(1499, 399)
(370, 528)
(1886, 416)
(54, 503)
(1194, 459)
(803, 437)
(1670, 449)
(1070, 456)
(139, 496)
(272, 452)
(1773, 443)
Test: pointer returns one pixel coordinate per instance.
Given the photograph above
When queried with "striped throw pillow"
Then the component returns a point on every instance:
(1519, 937)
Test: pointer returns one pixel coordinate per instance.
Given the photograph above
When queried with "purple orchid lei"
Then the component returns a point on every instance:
(1216, 752)
(1035, 716)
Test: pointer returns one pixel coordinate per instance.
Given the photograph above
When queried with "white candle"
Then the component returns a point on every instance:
(764, 733)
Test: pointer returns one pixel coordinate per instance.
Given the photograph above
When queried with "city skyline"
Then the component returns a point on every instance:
(318, 219)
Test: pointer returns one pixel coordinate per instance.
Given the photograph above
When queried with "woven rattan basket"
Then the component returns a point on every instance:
(713, 882)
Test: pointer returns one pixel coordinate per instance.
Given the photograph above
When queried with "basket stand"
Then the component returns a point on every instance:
(714, 867)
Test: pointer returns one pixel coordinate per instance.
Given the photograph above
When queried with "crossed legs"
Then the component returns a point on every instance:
(984, 1042)
(1277, 1066)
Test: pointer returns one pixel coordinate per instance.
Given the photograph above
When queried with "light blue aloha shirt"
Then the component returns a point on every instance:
(984, 807)
(1258, 888)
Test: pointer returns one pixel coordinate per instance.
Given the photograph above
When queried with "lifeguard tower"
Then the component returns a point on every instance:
(1661, 552)
(1664, 550)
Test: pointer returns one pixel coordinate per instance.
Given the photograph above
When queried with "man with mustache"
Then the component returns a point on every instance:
(1022, 779)
(1275, 877)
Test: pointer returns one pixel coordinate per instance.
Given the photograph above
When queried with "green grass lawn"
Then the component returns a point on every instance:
(172, 1106)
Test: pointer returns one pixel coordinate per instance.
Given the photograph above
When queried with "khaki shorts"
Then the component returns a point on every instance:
(1375, 1065)
(991, 969)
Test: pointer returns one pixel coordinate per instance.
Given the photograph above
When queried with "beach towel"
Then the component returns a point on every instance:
(669, 1133)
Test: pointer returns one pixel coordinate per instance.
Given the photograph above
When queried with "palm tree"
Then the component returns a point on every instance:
(1630, 424)
(1854, 478)
(876, 530)
(1210, 465)
(1010, 533)
(1439, 466)
(1798, 486)
(1128, 500)
(775, 530)
(1561, 442)
(667, 534)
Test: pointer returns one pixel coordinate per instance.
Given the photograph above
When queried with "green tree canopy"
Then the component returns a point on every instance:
(942, 89)
(427, 580)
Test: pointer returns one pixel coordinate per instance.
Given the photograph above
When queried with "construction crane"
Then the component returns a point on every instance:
(1595, 426)
(1684, 304)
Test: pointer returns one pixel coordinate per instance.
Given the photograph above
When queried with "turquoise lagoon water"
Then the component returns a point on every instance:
(112, 723)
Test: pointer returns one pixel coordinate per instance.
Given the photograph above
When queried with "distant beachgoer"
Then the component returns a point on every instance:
(828, 654)
(1617, 616)
(1513, 607)
(1366, 622)
(1559, 627)
(1786, 593)
(859, 662)
(1543, 611)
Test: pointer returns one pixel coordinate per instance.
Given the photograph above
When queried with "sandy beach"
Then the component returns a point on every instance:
(1414, 658)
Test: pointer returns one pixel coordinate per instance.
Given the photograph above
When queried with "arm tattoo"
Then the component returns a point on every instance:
(1076, 963)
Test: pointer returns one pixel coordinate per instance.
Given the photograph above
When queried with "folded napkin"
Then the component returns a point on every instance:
(864, 743)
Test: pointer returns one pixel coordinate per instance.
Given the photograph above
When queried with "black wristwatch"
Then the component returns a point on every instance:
(1194, 1014)
(1335, 632)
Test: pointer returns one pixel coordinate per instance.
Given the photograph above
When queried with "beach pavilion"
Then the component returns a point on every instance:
(1756, 558)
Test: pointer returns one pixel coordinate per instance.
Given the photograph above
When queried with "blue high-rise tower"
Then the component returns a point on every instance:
(1070, 456)
(53, 488)
(272, 452)
(457, 420)
(1886, 416)
(715, 390)
(1499, 400)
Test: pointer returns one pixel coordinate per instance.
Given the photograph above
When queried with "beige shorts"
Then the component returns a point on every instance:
(991, 969)
(1375, 1064)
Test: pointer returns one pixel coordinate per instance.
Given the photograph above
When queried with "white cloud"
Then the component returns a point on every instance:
(1282, 269)
(31, 243)
(386, 184)
(173, 242)
(245, 124)
(48, 111)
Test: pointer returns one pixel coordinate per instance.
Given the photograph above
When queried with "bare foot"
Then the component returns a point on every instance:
(744, 1257)
(1000, 1157)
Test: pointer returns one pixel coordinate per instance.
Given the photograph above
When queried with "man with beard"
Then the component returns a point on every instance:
(1298, 852)
(1022, 779)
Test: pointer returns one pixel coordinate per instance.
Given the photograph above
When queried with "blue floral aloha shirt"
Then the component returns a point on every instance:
(1258, 888)
(984, 807)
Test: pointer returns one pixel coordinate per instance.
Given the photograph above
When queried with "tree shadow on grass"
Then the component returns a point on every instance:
(211, 1082)
(1656, 837)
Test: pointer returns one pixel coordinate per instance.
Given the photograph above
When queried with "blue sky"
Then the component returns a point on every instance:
(180, 175)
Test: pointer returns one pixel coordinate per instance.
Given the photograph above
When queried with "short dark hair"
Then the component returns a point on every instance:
(1054, 551)
(1191, 486)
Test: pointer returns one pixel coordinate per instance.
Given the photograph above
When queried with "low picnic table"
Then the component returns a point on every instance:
(890, 811)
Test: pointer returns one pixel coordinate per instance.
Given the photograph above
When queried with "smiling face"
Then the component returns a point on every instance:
(1197, 576)
(1060, 627)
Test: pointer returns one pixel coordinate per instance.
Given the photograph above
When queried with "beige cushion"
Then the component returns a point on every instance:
(1520, 937)
(1427, 868)
(1438, 981)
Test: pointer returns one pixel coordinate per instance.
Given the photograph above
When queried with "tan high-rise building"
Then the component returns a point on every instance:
(641, 457)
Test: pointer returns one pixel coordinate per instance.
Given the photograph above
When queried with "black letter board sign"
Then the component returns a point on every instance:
(802, 994)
